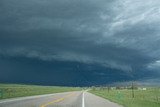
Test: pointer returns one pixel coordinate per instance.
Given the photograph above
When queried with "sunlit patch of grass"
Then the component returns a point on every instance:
(142, 98)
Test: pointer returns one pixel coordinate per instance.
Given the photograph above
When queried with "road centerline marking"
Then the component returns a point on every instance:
(57, 100)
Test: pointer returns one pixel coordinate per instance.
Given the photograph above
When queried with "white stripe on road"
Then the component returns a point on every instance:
(24, 98)
(83, 105)
(28, 98)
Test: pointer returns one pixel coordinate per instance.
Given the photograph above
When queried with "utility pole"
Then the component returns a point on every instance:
(132, 90)
(108, 88)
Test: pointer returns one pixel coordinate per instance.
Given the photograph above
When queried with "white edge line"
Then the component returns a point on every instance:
(24, 98)
(27, 98)
(83, 104)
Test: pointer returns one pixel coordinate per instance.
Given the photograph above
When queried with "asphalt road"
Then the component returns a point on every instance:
(67, 99)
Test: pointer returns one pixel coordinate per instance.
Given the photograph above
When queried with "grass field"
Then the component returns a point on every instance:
(14, 90)
(142, 98)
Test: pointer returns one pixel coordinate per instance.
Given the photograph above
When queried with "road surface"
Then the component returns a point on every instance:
(67, 99)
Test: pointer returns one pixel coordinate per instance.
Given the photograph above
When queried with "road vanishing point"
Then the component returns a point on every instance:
(66, 99)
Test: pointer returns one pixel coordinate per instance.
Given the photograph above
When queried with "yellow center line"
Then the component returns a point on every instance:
(57, 100)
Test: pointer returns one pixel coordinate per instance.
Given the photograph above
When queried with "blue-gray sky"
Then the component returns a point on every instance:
(83, 42)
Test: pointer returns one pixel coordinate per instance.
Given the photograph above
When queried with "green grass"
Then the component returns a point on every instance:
(143, 98)
(15, 90)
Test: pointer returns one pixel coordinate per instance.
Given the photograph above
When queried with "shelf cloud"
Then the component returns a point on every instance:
(121, 35)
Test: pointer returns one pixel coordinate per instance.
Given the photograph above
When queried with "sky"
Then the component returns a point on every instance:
(79, 42)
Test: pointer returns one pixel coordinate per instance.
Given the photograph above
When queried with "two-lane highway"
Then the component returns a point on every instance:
(67, 99)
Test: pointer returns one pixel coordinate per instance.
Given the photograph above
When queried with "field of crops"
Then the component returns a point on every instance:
(142, 98)
(14, 90)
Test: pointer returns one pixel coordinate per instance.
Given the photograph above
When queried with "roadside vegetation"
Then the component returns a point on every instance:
(128, 97)
(14, 90)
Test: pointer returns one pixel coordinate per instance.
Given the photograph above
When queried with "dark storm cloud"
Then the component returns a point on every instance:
(117, 34)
